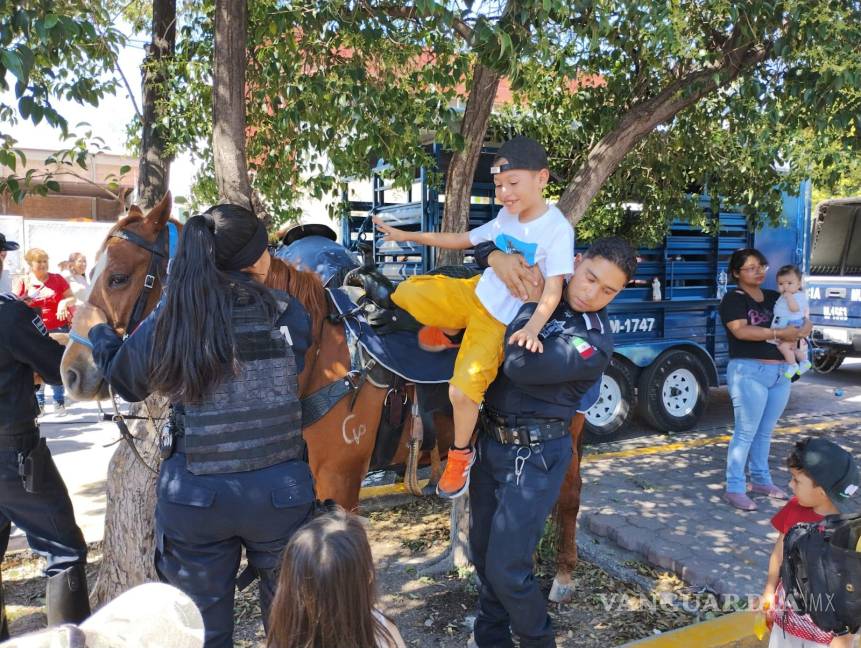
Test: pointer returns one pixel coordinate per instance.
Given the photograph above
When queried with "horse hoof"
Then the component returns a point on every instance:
(561, 593)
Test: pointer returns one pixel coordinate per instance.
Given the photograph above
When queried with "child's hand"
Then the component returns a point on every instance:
(528, 338)
(391, 233)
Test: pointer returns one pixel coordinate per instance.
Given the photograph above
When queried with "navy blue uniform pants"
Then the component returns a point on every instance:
(46, 517)
(204, 521)
(512, 490)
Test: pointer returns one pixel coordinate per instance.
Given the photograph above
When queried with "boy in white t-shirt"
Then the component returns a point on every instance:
(791, 309)
(482, 307)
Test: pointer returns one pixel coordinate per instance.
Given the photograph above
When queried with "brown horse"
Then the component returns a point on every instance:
(340, 444)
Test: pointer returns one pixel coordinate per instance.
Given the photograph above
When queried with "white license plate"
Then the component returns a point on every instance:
(836, 335)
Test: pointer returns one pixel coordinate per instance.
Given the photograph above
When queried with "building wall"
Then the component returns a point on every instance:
(83, 194)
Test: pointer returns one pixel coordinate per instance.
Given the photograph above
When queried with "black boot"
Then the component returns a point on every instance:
(66, 597)
(4, 626)
(377, 286)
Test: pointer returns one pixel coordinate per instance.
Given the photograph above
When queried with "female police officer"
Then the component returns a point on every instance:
(215, 348)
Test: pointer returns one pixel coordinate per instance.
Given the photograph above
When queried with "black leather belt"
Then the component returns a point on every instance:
(19, 436)
(522, 431)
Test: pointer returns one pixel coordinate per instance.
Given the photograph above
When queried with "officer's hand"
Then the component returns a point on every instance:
(534, 285)
(528, 338)
(514, 272)
(37, 379)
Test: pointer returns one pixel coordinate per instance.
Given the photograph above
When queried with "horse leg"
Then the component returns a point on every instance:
(567, 509)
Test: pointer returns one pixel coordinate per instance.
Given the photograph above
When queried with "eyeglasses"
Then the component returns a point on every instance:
(754, 268)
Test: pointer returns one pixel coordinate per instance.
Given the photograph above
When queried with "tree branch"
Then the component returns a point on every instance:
(411, 13)
(604, 158)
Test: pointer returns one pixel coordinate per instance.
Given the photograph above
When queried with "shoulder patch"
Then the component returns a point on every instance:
(585, 349)
(40, 325)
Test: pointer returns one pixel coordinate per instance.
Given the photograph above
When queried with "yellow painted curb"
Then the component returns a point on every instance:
(370, 492)
(668, 448)
(731, 630)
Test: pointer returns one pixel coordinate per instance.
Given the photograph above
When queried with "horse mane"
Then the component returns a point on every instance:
(304, 286)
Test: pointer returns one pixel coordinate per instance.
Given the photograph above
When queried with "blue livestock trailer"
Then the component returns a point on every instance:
(834, 282)
(670, 345)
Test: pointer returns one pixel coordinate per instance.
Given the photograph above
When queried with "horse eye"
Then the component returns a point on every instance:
(117, 280)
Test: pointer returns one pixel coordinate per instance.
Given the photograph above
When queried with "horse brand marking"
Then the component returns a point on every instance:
(355, 434)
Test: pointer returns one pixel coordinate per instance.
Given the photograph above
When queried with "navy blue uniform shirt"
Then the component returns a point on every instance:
(577, 350)
(25, 348)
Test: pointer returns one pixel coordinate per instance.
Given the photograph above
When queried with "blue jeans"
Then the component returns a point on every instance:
(507, 516)
(759, 393)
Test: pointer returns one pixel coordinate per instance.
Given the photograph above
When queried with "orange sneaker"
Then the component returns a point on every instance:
(434, 340)
(455, 478)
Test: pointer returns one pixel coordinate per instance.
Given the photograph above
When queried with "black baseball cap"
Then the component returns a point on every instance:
(7, 246)
(520, 153)
(833, 469)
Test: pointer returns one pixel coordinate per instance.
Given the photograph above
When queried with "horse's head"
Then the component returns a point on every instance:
(120, 291)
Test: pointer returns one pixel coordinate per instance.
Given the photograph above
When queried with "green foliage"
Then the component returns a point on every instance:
(334, 86)
(50, 50)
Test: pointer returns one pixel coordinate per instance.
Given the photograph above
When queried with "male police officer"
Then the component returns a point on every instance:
(32, 493)
(524, 444)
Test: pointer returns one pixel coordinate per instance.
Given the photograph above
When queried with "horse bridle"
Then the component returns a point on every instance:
(159, 256)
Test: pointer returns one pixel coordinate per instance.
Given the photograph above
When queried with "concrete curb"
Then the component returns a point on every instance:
(729, 631)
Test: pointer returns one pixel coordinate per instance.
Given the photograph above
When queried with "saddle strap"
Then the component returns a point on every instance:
(315, 406)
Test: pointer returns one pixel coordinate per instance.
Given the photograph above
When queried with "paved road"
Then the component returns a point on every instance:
(659, 496)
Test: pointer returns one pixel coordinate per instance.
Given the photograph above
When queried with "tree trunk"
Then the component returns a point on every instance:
(154, 166)
(639, 121)
(129, 542)
(228, 102)
(458, 182)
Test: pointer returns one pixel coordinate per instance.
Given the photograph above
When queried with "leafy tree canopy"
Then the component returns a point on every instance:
(638, 103)
(50, 50)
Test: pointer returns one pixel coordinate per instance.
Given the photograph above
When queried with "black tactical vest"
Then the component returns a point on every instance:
(253, 419)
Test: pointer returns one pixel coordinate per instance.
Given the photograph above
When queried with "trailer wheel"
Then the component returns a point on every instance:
(827, 362)
(673, 391)
(605, 419)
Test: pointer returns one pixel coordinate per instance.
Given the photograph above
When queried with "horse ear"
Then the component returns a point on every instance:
(158, 215)
(134, 210)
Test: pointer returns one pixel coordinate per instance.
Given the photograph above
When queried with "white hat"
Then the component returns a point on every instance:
(153, 615)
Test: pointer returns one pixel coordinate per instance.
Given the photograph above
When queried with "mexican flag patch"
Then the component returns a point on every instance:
(585, 349)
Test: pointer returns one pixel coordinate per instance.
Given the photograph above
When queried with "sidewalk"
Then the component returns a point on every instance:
(660, 497)
(77, 443)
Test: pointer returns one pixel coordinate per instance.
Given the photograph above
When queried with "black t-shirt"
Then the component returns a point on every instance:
(738, 305)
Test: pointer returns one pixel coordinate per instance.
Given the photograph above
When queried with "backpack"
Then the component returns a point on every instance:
(821, 572)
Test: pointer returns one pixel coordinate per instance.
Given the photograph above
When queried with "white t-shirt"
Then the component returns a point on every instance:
(783, 316)
(548, 241)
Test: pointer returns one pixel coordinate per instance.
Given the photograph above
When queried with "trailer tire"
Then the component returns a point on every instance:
(673, 391)
(827, 362)
(606, 418)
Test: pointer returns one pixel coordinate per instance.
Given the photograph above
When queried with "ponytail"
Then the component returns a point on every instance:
(193, 337)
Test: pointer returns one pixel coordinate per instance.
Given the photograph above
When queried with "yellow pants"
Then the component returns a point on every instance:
(445, 302)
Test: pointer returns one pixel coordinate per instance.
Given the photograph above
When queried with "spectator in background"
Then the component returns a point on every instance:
(51, 295)
(77, 275)
(5, 278)
(758, 386)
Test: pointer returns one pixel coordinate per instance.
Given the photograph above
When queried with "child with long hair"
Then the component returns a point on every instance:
(327, 590)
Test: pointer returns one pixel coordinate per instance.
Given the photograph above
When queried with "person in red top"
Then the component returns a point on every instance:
(824, 477)
(49, 293)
